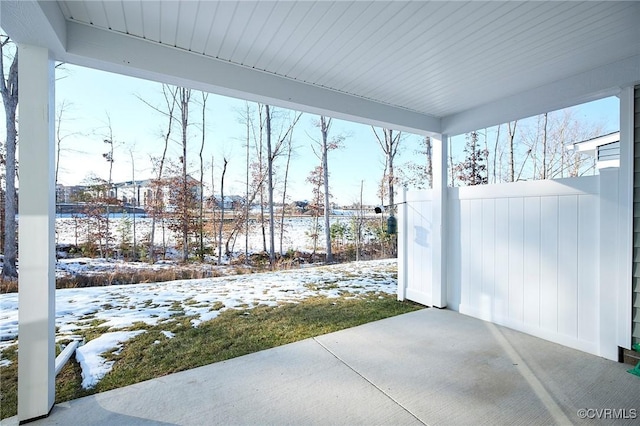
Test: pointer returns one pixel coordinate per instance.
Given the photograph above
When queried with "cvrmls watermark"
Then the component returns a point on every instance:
(608, 413)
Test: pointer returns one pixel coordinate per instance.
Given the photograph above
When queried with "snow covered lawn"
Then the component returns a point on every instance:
(119, 307)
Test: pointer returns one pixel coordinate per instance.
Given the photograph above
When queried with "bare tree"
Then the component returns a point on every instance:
(420, 173)
(382, 185)
(255, 177)
(325, 125)
(108, 156)
(224, 171)
(183, 103)
(136, 198)
(246, 200)
(259, 170)
(3, 168)
(96, 224)
(241, 219)
(358, 224)
(284, 189)
(389, 144)
(546, 142)
(325, 145)
(201, 216)
(270, 158)
(170, 95)
(60, 137)
(512, 134)
(273, 151)
(495, 153)
(315, 178)
(544, 145)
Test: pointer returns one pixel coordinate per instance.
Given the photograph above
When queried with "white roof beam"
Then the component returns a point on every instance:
(585, 87)
(110, 51)
(37, 23)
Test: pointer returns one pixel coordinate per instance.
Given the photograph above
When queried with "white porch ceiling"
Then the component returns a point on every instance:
(416, 65)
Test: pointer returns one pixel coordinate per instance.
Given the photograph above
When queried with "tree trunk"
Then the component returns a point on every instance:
(261, 173)
(495, 154)
(136, 197)
(284, 191)
(429, 155)
(224, 171)
(2, 207)
(272, 247)
(9, 270)
(170, 97)
(214, 201)
(107, 198)
(544, 148)
(247, 204)
(201, 201)
(390, 176)
(359, 224)
(450, 171)
(185, 95)
(389, 144)
(512, 135)
(325, 124)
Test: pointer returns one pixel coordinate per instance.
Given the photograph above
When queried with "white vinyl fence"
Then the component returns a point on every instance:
(415, 247)
(533, 256)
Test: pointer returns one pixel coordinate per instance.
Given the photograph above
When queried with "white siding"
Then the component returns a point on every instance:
(635, 315)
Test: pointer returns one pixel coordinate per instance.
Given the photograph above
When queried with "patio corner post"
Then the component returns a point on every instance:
(36, 306)
(628, 115)
(402, 245)
(609, 277)
(439, 271)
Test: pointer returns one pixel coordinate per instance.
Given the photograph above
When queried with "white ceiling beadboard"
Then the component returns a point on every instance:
(433, 58)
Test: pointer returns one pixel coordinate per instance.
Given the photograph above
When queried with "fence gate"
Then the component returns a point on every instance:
(415, 247)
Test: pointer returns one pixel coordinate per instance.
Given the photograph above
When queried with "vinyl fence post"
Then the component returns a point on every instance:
(402, 245)
(439, 271)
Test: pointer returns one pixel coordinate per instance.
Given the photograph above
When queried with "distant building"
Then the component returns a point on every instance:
(139, 193)
(230, 202)
(605, 149)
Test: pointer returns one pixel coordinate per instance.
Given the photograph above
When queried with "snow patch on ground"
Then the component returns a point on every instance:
(119, 307)
(94, 366)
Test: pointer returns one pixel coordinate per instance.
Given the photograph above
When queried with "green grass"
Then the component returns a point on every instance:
(232, 334)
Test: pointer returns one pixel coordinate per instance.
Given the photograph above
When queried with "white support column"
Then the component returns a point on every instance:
(402, 245)
(609, 276)
(36, 309)
(439, 271)
(625, 218)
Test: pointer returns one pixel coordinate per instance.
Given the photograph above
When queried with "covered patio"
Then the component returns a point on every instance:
(426, 67)
(428, 367)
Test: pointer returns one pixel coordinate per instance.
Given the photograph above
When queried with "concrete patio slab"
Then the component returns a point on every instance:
(427, 367)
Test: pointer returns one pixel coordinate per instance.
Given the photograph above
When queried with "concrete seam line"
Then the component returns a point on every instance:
(537, 387)
(370, 382)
